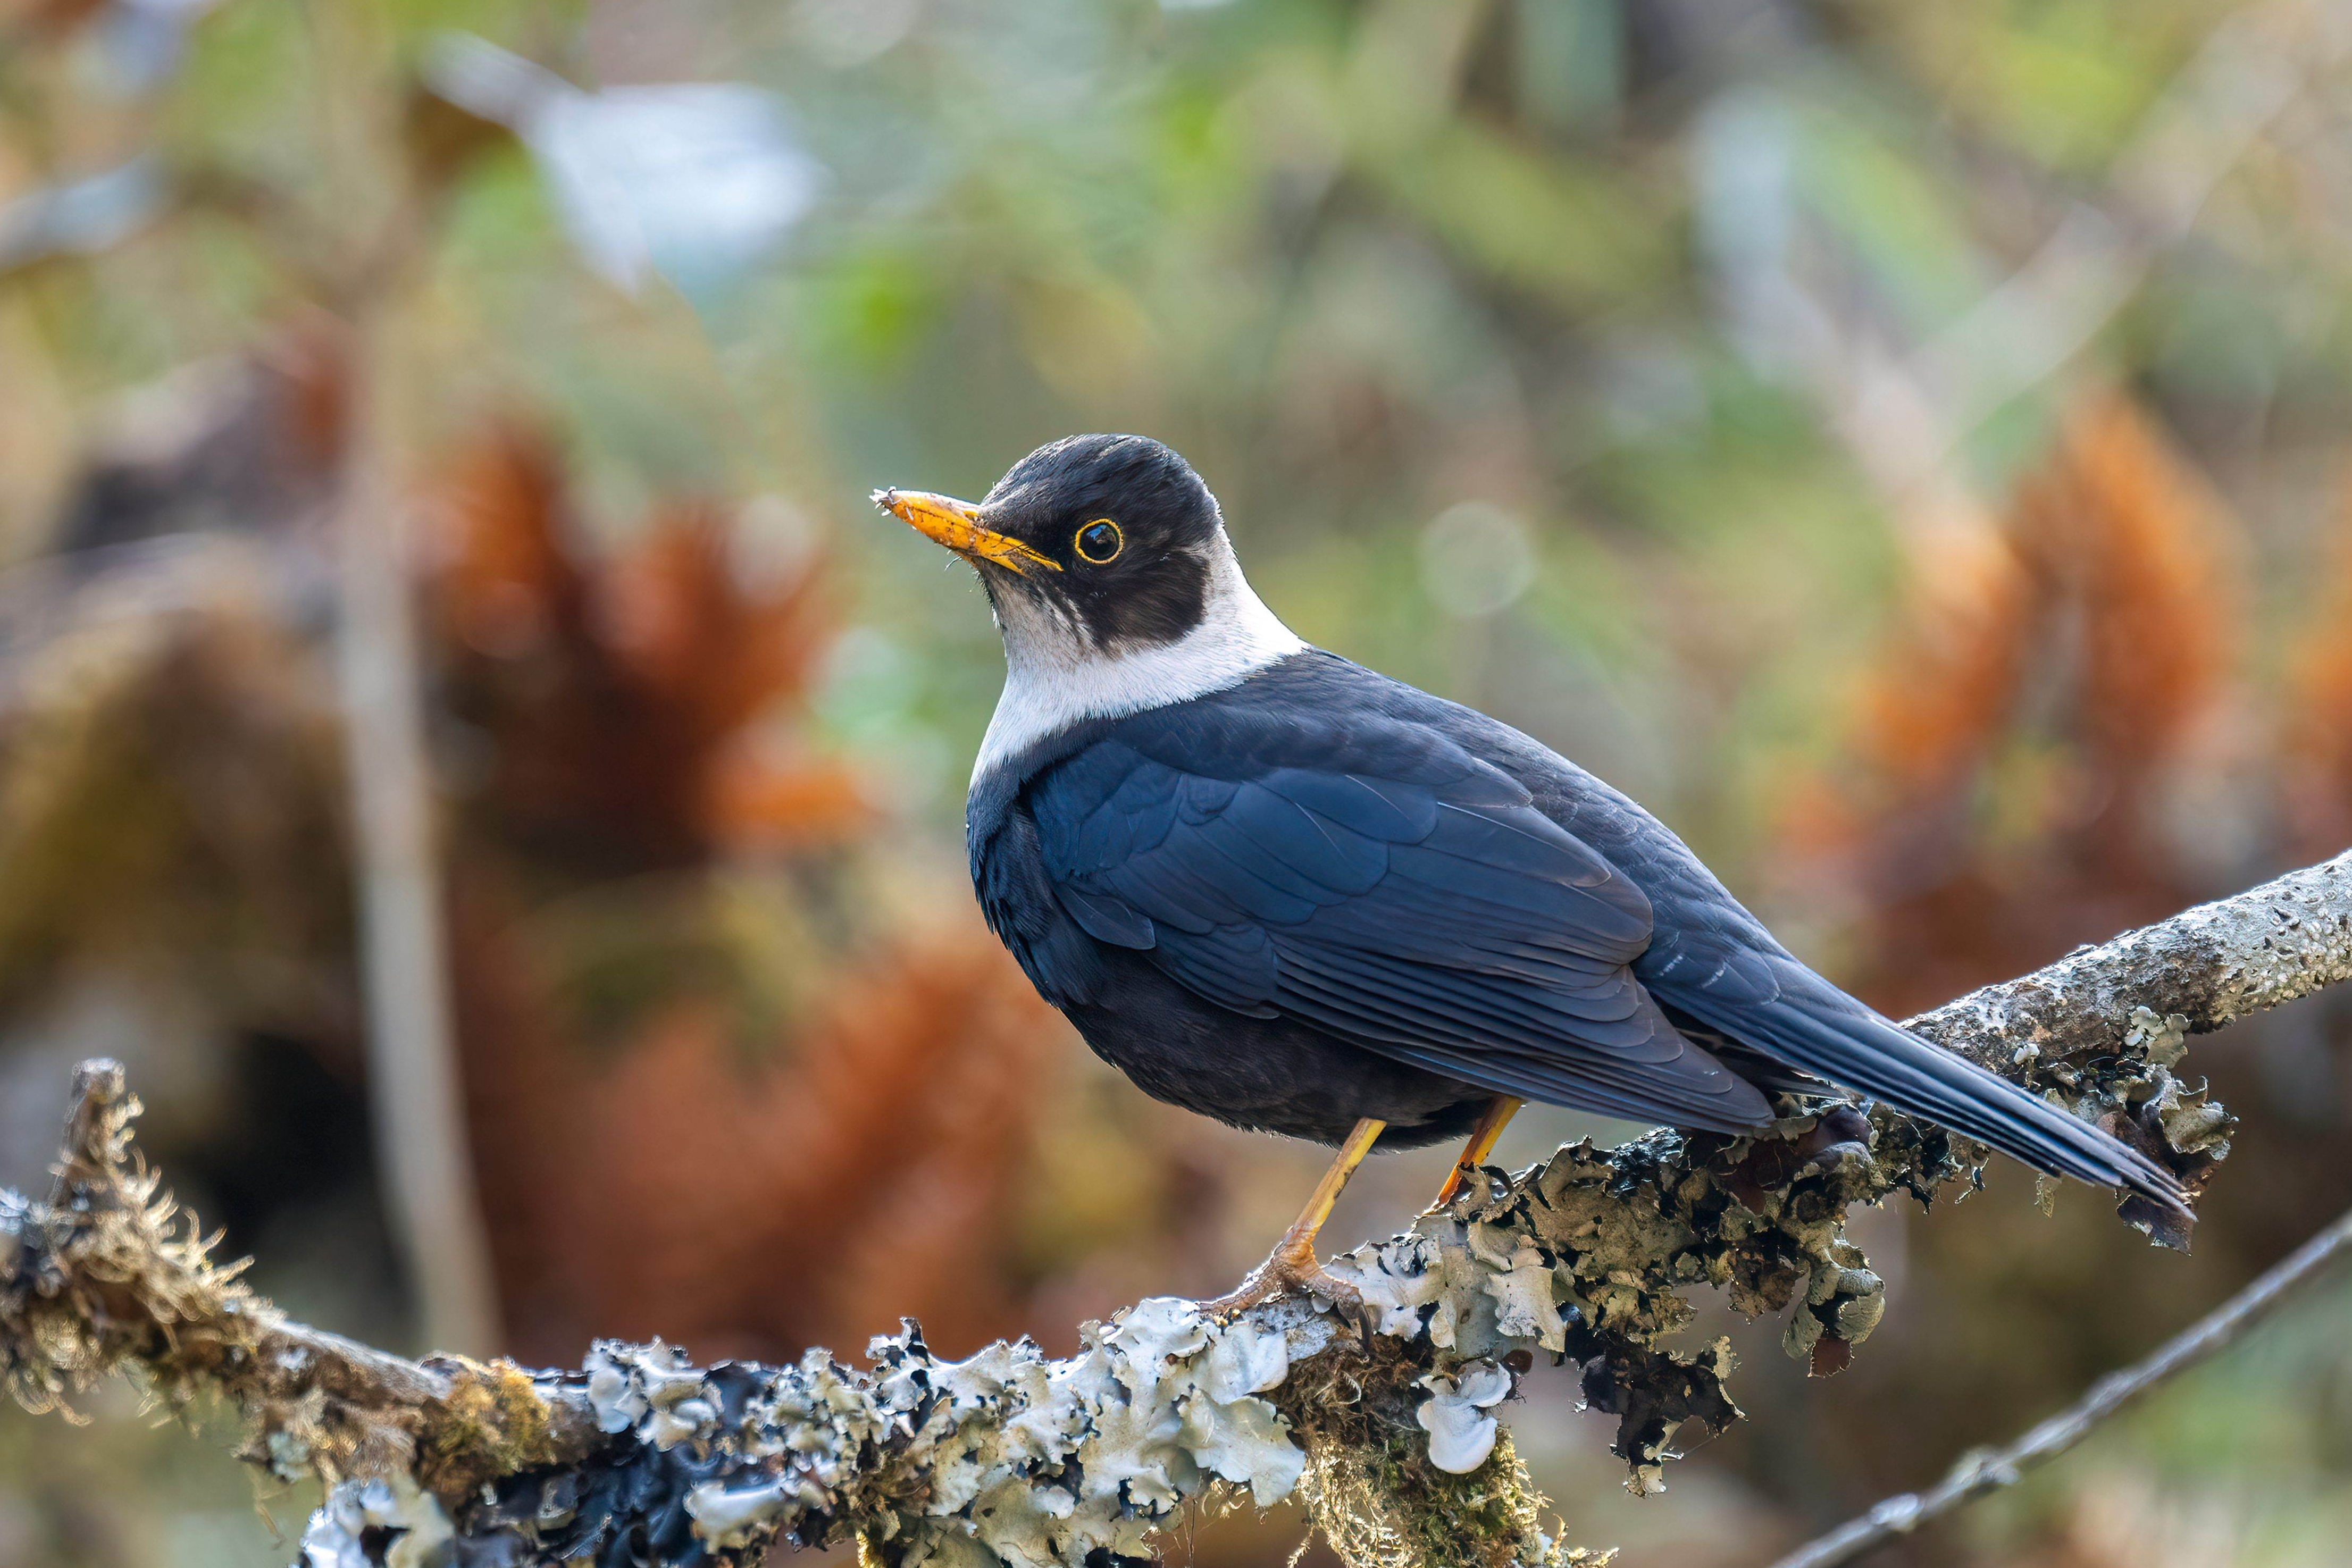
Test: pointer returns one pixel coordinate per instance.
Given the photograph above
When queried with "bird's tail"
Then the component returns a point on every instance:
(1835, 1038)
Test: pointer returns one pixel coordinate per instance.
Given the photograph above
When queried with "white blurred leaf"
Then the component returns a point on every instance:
(696, 181)
(82, 217)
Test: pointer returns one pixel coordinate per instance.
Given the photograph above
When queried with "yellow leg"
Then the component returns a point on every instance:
(1491, 1123)
(1335, 1177)
(1293, 1265)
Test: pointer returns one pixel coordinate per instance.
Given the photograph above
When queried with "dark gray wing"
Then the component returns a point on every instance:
(1376, 881)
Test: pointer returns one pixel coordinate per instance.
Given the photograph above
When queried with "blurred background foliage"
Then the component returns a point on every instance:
(1904, 444)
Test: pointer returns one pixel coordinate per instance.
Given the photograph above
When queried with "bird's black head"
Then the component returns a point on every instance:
(1111, 542)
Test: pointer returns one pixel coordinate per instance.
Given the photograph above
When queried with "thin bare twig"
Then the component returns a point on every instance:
(413, 1078)
(1989, 1470)
(413, 1081)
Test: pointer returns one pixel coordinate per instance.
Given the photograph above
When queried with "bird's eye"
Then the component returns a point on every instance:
(1099, 541)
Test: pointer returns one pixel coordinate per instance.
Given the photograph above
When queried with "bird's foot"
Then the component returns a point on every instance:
(1291, 1266)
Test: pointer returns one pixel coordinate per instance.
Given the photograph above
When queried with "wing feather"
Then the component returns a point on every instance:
(1387, 889)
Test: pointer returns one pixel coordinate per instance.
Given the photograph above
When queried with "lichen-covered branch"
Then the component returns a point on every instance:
(1386, 1426)
(107, 1276)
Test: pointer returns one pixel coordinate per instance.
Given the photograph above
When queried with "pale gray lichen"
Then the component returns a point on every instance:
(1456, 1414)
(1842, 1302)
(1006, 1456)
(388, 1524)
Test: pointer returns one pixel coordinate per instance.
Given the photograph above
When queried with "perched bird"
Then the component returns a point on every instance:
(1278, 889)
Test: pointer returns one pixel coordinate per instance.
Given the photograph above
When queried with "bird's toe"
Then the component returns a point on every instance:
(1291, 1269)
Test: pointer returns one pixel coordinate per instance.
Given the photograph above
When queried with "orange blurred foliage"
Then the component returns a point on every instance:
(2126, 530)
(618, 697)
(858, 1160)
(867, 1169)
(2316, 746)
(1931, 704)
(2055, 673)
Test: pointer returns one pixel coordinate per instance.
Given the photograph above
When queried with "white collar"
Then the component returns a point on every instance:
(1055, 679)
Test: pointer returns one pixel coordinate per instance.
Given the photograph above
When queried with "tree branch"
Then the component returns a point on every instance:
(1989, 1470)
(1385, 1428)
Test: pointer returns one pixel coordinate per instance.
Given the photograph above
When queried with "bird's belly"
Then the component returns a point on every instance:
(1268, 1075)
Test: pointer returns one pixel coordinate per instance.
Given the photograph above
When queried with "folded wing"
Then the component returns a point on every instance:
(1387, 888)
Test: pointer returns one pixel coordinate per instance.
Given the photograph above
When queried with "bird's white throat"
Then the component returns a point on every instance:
(1053, 677)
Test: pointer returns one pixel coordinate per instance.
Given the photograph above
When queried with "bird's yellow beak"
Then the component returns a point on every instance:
(957, 525)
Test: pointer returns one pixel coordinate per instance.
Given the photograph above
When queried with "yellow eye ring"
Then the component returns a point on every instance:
(1090, 545)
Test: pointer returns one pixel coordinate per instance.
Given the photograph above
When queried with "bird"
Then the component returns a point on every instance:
(1282, 889)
